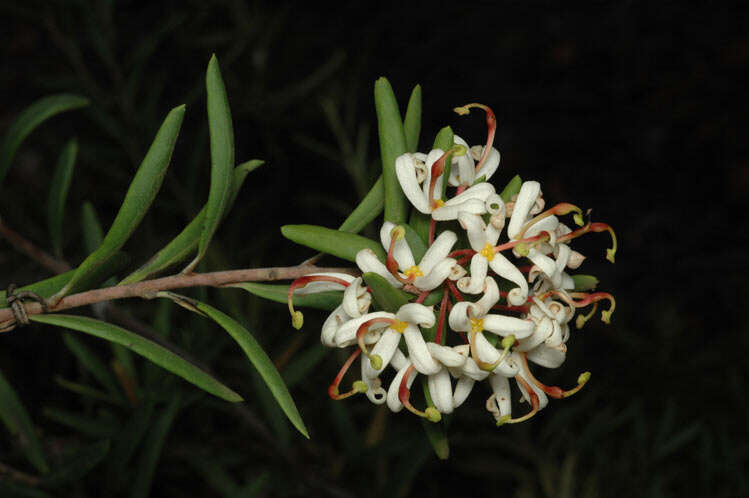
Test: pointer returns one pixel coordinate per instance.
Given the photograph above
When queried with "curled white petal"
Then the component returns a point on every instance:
(490, 297)
(367, 261)
(490, 165)
(351, 297)
(331, 326)
(393, 400)
(527, 196)
(405, 170)
(315, 287)
(416, 313)
(375, 392)
(506, 325)
(547, 357)
(438, 251)
(505, 269)
(346, 334)
(385, 349)
(501, 389)
(462, 390)
(475, 228)
(446, 355)
(436, 276)
(486, 352)
(451, 211)
(418, 352)
(475, 283)
(440, 389)
(401, 251)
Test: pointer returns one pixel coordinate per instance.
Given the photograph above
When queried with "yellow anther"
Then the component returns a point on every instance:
(508, 342)
(438, 203)
(414, 272)
(578, 218)
(432, 414)
(477, 324)
(584, 377)
(360, 386)
(522, 249)
(376, 361)
(297, 319)
(487, 251)
(503, 420)
(397, 233)
(398, 326)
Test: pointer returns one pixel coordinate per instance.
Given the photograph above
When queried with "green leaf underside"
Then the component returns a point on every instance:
(259, 360)
(47, 287)
(512, 188)
(138, 198)
(392, 139)
(387, 297)
(412, 121)
(334, 242)
(185, 243)
(416, 243)
(29, 119)
(222, 154)
(368, 209)
(144, 347)
(585, 282)
(15, 417)
(58, 193)
(327, 301)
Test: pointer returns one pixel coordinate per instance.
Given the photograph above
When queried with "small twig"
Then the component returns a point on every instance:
(18, 476)
(148, 288)
(25, 246)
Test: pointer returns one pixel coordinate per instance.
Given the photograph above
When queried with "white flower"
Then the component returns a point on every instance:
(463, 171)
(431, 271)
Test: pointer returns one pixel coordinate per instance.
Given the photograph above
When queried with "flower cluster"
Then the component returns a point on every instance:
(475, 308)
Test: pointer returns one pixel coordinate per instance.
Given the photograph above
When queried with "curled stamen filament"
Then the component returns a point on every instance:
(390, 263)
(438, 168)
(374, 360)
(556, 391)
(582, 319)
(534, 404)
(430, 413)
(560, 209)
(297, 318)
(358, 387)
(586, 299)
(491, 124)
(522, 242)
(597, 227)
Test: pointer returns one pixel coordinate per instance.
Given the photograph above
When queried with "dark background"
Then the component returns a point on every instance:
(634, 109)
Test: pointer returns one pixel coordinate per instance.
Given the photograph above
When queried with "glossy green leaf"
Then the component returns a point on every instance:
(77, 466)
(91, 362)
(58, 193)
(91, 226)
(30, 119)
(140, 194)
(445, 139)
(185, 243)
(49, 286)
(387, 297)
(368, 209)
(435, 432)
(327, 301)
(222, 156)
(512, 188)
(15, 417)
(412, 121)
(255, 354)
(415, 242)
(585, 282)
(419, 222)
(341, 244)
(153, 447)
(144, 347)
(392, 144)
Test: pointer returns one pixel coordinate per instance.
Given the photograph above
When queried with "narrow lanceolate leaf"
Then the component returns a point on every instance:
(512, 188)
(153, 447)
(91, 227)
(30, 118)
(327, 301)
(138, 199)
(185, 243)
(58, 193)
(385, 295)
(412, 121)
(144, 347)
(585, 282)
(341, 244)
(392, 145)
(91, 362)
(15, 417)
(254, 353)
(444, 140)
(419, 222)
(222, 156)
(368, 209)
(415, 242)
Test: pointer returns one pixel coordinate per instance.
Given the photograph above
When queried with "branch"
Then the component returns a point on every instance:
(25, 246)
(147, 289)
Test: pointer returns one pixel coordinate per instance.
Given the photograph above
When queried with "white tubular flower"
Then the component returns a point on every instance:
(463, 170)
(467, 375)
(426, 197)
(429, 274)
(499, 403)
(440, 385)
(529, 192)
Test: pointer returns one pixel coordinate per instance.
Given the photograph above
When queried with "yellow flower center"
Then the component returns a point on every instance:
(399, 326)
(414, 272)
(488, 251)
(477, 324)
(437, 203)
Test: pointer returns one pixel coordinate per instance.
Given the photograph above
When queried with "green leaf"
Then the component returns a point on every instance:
(254, 352)
(585, 282)
(92, 363)
(412, 121)
(368, 209)
(58, 193)
(29, 119)
(17, 420)
(185, 243)
(93, 427)
(435, 431)
(153, 447)
(445, 139)
(91, 226)
(222, 156)
(87, 391)
(327, 301)
(388, 297)
(341, 244)
(512, 188)
(392, 144)
(298, 369)
(77, 466)
(415, 242)
(49, 286)
(138, 199)
(144, 347)
(419, 222)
